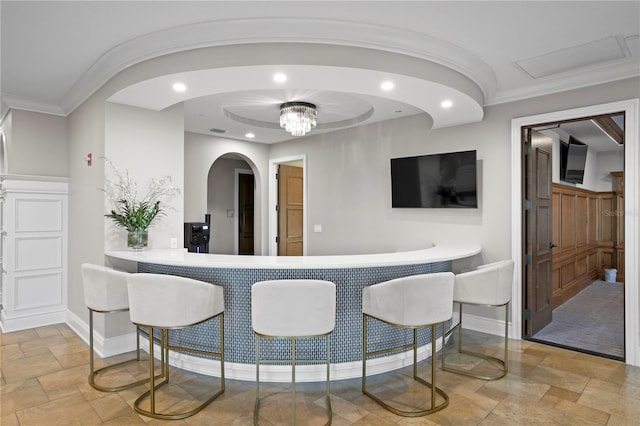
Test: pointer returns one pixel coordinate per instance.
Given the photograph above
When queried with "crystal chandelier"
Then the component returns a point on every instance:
(298, 118)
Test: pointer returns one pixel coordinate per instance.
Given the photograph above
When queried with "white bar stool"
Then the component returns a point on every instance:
(167, 302)
(105, 292)
(292, 309)
(487, 285)
(413, 302)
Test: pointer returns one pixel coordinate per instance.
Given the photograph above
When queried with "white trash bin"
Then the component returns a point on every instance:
(610, 275)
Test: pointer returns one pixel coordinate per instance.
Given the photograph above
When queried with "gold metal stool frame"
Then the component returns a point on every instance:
(414, 346)
(93, 373)
(165, 346)
(293, 362)
(502, 364)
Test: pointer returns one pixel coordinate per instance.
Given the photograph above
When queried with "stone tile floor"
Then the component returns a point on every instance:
(43, 378)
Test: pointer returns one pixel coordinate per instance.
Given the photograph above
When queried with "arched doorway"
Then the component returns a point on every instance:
(230, 202)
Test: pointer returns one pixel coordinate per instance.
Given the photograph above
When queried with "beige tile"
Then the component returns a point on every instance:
(18, 337)
(519, 410)
(11, 352)
(21, 395)
(41, 346)
(47, 331)
(562, 379)
(579, 411)
(9, 420)
(29, 367)
(626, 406)
(59, 412)
(110, 407)
(64, 383)
(545, 385)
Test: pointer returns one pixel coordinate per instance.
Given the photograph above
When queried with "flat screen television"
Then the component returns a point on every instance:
(435, 181)
(573, 159)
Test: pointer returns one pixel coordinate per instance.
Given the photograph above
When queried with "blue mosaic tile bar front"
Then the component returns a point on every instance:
(346, 340)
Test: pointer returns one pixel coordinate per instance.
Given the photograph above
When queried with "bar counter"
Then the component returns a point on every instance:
(350, 273)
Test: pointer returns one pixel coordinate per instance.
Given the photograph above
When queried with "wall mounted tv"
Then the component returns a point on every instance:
(573, 159)
(435, 181)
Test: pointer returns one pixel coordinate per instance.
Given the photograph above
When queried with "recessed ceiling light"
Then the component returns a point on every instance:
(446, 104)
(279, 77)
(179, 87)
(387, 85)
(249, 135)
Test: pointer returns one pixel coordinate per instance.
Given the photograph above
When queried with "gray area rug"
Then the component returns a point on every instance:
(592, 321)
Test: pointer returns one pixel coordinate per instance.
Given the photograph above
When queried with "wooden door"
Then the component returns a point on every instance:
(245, 213)
(290, 211)
(538, 231)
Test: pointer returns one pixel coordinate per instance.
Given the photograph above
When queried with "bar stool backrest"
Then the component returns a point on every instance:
(488, 284)
(105, 289)
(411, 301)
(289, 308)
(169, 301)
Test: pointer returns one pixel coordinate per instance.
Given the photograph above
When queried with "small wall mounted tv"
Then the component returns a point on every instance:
(435, 181)
(573, 159)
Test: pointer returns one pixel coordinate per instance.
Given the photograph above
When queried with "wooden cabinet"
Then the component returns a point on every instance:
(576, 234)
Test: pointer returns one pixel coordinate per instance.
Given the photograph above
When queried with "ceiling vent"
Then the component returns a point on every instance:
(594, 53)
(214, 130)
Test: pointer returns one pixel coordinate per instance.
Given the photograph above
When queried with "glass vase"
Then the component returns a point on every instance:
(137, 240)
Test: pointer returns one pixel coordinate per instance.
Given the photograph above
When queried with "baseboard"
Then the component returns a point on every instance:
(484, 325)
(103, 347)
(9, 325)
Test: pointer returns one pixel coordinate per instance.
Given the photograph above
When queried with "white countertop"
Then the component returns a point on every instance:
(180, 257)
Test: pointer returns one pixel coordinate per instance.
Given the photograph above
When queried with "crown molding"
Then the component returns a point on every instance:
(265, 30)
(569, 81)
(10, 101)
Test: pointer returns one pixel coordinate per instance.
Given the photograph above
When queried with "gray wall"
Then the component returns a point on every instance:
(200, 153)
(220, 198)
(349, 178)
(37, 144)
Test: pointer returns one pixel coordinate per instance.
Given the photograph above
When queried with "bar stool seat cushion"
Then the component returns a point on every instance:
(105, 289)
(409, 301)
(185, 308)
(488, 284)
(286, 308)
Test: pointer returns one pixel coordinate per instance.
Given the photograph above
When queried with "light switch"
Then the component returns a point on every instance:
(229, 213)
(317, 228)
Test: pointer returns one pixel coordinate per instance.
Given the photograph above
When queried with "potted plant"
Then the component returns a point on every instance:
(135, 214)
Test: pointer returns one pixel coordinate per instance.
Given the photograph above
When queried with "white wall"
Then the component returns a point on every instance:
(349, 188)
(149, 144)
(608, 162)
(349, 178)
(38, 144)
(220, 198)
(598, 167)
(200, 152)
(86, 203)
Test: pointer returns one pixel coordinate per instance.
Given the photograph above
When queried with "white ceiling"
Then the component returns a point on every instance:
(56, 54)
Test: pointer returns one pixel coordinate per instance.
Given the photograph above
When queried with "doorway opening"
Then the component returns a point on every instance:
(288, 206)
(574, 238)
(231, 206)
(631, 109)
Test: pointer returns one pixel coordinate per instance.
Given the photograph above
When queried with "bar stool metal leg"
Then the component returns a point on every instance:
(502, 365)
(414, 346)
(93, 372)
(153, 387)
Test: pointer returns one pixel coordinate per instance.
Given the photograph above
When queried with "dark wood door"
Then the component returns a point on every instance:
(538, 230)
(290, 211)
(245, 213)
